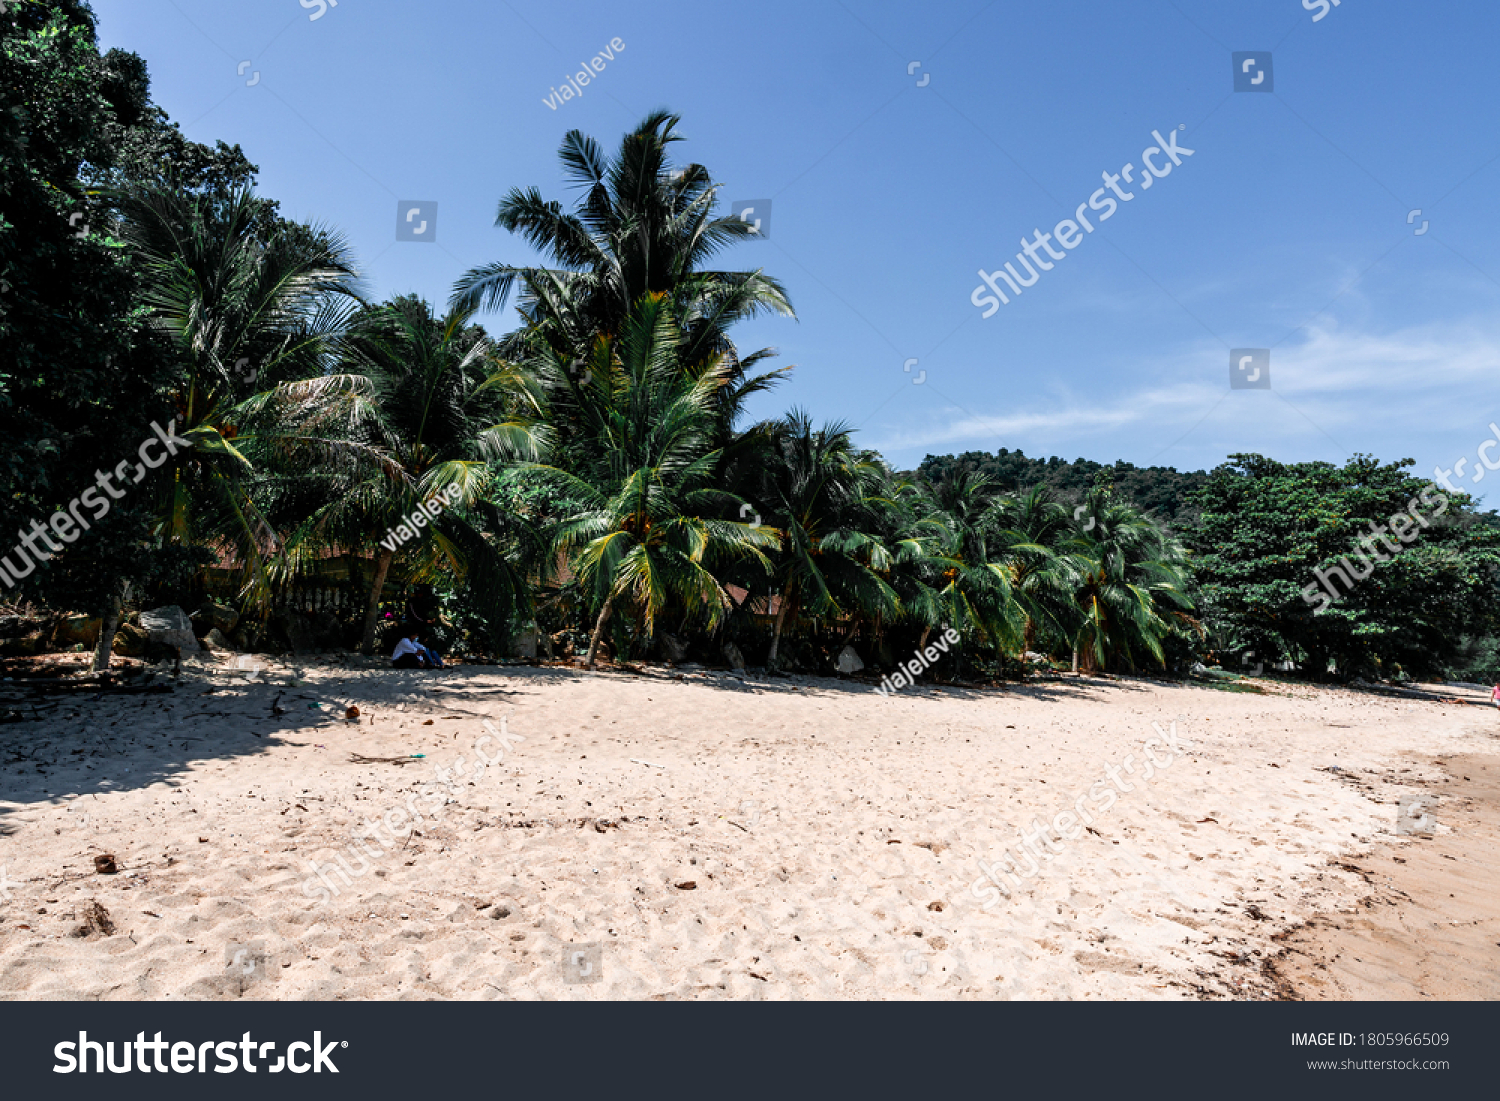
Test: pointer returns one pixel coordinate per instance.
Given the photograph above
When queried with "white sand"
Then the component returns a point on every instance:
(832, 834)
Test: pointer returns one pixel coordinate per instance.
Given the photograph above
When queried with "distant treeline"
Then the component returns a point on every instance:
(1163, 490)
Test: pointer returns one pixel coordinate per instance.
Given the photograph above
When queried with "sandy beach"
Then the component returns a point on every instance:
(689, 833)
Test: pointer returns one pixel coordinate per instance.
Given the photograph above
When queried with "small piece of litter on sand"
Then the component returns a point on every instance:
(648, 764)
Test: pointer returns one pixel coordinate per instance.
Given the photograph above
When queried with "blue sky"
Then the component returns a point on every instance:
(1286, 229)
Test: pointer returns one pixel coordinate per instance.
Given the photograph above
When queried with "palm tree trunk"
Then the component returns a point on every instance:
(776, 632)
(109, 626)
(925, 632)
(1075, 657)
(372, 613)
(604, 614)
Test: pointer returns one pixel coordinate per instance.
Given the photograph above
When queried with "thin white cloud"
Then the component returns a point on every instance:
(1398, 387)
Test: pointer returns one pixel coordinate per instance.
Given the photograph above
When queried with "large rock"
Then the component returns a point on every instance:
(848, 661)
(215, 640)
(170, 626)
(737, 660)
(22, 647)
(130, 641)
(524, 645)
(673, 649)
(78, 630)
(215, 616)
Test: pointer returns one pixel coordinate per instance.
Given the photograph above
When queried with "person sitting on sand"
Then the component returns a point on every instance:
(420, 636)
(411, 654)
(1495, 696)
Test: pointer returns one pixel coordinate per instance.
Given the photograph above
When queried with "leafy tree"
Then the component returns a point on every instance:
(81, 381)
(1270, 530)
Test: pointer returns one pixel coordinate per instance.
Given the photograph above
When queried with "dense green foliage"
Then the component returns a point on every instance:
(592, 473)
(1161, 490)
(1267, 527)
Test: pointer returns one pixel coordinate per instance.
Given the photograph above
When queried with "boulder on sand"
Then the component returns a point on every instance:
(170, 626)
(524, 644)
(216, 615)
(849, 661)
(215, 640)
(130, 641)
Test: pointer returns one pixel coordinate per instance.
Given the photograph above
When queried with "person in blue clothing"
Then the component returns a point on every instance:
(421, 616)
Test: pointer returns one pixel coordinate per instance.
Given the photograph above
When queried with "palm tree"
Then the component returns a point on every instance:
(418, 413)
(1035, 536)
(971, 587)
(648, 531)
(640, 227)
(817, 489)
(1134, 586)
